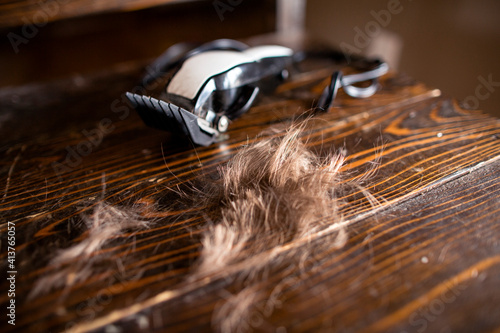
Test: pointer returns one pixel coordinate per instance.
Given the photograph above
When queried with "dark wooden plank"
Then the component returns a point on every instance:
(85, 44)
(432, 229)
(17, 13)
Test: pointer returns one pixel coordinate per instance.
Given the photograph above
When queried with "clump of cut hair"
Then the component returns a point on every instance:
(76, 263)
(271, 194)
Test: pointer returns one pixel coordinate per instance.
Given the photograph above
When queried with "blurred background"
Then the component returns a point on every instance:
(452, 45)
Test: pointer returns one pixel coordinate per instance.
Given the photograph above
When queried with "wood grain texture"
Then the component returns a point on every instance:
(17, 13)
(426, 257)
(90, 43)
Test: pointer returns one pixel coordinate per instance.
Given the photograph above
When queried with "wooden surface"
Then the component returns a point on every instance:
(17, 13)
(425, 259)
(89, 43)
